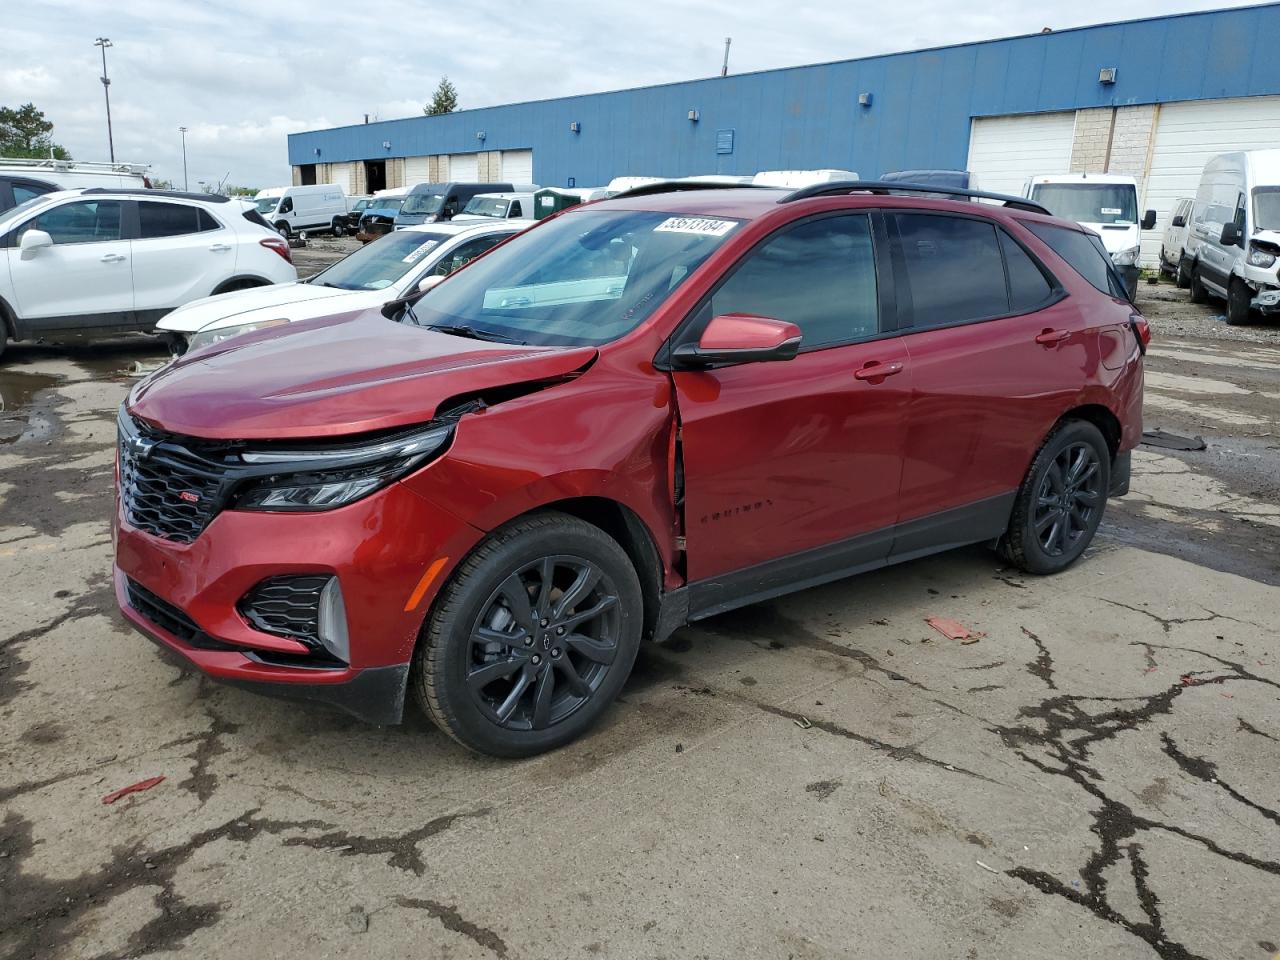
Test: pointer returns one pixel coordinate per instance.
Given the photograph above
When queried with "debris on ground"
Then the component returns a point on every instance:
(803, 723)
(1171, 441)
(357, 920)
(132, 788)
(954, 629)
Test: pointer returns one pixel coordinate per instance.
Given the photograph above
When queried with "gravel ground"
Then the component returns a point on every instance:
(817, 777)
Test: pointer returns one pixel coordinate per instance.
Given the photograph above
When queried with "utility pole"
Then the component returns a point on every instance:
(183, 131)
(104, 42)
(724, 68)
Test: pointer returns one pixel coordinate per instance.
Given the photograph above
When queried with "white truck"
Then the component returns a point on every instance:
(22, 179)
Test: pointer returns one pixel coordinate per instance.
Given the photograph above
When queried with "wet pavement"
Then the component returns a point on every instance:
(818, 777)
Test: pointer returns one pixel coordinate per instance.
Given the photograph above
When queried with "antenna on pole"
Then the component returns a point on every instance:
(724, 67)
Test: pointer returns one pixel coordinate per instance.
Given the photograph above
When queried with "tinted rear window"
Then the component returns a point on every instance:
(1084, 252)
(171, 220)
(1028, 287)
(954, 270)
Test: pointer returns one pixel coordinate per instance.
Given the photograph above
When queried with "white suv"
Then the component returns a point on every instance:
(84, 263)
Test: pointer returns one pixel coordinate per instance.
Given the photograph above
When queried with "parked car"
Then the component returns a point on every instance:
(633, 415)
(1233, 243)
(83, 263)
(1174, 242)
(380, 216)
(433, 202)
(320, 207)
(1106, 203)
(384, 270)
(795, 179)
(950, 179)
(551, 200)
(500, 206)
(358, 206)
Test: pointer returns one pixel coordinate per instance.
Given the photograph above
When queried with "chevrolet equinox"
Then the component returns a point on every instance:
(640, 413)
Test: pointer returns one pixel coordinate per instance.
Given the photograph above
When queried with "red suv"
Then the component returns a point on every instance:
(637, 414)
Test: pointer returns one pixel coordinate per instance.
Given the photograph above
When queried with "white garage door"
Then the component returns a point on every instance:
(464, 167)
(416, 170)
(1187, 135)
(517, 166)
(1005, 151)
(340, 174)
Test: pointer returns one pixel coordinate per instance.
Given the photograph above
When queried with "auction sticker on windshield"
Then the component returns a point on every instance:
(418, 252)
(701, 225)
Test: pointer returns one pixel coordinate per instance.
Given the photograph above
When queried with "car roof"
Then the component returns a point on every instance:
(506, 195)
(467, 226)
(152, 194)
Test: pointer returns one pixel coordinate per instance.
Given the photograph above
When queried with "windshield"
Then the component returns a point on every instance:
(487, 207)
(1266, 208)
(385, 203)
(1089, 202)
(265, 204)
(361, 205)
(426, 202)
(382, 262)
(586, 278)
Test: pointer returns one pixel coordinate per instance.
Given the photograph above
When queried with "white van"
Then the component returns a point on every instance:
(1173, 245)
(320, 206)
(1233, 243)
(1106, 203)
(497, 206)
(796, 179)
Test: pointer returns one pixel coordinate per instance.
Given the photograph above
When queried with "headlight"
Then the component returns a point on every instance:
(1126, 258)
(207, 337)
(1260, 258)
(322, 478)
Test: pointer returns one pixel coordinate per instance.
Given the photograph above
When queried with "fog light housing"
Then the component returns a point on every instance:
(308, 608)
(333, 621)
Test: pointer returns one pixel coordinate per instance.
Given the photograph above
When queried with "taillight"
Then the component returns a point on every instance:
(146, 182)
(279, 245)
(1141, 330)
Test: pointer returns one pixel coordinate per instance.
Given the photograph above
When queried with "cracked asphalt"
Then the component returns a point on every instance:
(823, 776)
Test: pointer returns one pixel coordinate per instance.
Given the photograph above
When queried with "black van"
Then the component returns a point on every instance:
(431, 202)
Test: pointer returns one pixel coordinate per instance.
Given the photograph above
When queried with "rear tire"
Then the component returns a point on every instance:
(282, 228)
(508, 664)
(1061, 500)
(1198, 292)
(1181, 277)
(1238, 303)
(338, 227)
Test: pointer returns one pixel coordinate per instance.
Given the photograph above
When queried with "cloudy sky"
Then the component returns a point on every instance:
(243, 73)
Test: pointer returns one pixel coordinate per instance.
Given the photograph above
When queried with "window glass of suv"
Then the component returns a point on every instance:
(819, 275)
(954, 271)
(81, 221)
(171, 220)
(586, 278)
(1028, 288)
(1084, 252)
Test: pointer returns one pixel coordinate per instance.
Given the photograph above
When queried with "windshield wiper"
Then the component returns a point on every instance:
(464, 330)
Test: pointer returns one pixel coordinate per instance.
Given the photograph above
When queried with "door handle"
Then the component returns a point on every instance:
(875, 370)
(1049, 337)
(113, 258)
(220, 247)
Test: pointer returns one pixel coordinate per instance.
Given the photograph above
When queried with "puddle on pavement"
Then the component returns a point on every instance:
(18, 390)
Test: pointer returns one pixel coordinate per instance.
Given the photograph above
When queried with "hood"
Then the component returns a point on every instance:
(1266, 238)
(289, 300)
(1115, 236)
(333, 376)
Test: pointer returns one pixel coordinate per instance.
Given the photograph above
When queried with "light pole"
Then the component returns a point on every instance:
(104, 42)
(183, 131)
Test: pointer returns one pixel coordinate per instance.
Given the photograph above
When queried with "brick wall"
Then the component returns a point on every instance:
(1113, 140)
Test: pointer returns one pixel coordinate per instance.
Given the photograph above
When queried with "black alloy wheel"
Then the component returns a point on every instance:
(1058, 507)
(1069, 495)
(531, 638)
(544, 642)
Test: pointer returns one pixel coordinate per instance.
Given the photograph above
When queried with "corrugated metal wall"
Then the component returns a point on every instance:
(922, 104)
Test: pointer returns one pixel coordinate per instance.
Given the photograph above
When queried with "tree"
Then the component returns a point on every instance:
(444, 100)
(24, 132)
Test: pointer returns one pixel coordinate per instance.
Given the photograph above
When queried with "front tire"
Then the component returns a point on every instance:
(1061, 500)
(1182, 278)
(532, 638)
(1198, 292)
(282, 228)
(1238, 303)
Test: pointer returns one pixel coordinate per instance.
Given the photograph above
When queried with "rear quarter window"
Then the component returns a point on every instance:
(1083, 252)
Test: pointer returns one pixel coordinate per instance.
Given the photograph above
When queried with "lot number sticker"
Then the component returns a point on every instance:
(417, 253)
(702, 225)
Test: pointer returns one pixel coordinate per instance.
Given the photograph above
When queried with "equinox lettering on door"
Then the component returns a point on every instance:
(736, 511)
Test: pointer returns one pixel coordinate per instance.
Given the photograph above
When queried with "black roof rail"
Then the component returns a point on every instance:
(677, 186)
(882, 187)
(175, 194)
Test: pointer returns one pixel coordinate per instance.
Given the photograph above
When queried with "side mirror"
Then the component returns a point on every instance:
(1179, 221)
(740, 338)
(1230, 235)
(1148, 220)
(430, 281)
(32, 242)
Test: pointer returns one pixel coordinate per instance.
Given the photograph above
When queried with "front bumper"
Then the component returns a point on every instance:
(1267, 300)
(379, 548)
